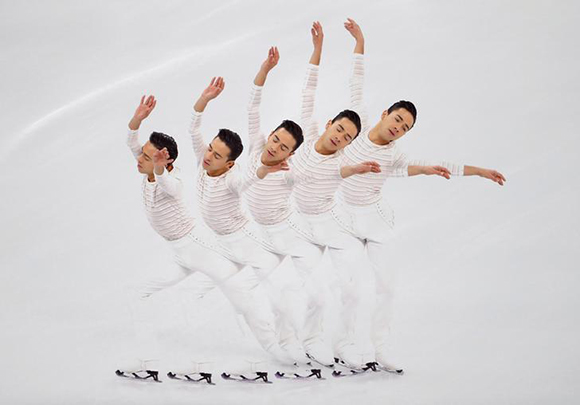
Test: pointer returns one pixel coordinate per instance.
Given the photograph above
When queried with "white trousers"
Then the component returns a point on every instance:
(292, 238)
(193, 254)
(372, 225)
(346, 252)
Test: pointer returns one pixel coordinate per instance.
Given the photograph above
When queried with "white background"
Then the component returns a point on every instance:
(487, 300)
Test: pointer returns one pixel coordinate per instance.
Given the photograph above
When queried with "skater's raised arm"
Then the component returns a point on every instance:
(214, 89)
(143, 110)
(257, 139)
(311, 82)
(170, 184)
(356, 80)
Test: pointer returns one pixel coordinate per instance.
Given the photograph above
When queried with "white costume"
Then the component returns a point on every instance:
(287, 233)
(168, 216)
(365, 213)
(317, 178)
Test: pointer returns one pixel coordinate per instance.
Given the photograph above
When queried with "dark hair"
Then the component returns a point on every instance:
(351, 116)
(161, 140)
(294, 130)
(407, 105)
(233, 141)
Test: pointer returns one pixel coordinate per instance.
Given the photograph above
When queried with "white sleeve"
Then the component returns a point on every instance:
(169, 183)
(133, 142)
(257, 139)
(238, 181)
(356, 88)
(310, 128)
(199, 146)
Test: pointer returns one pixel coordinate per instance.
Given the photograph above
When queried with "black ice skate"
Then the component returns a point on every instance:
(143, 375)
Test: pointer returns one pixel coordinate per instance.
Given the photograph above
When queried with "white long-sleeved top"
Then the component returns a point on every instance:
(219, 197)
(163, 201)
(268, 199)
(316, 176)
(365, 189)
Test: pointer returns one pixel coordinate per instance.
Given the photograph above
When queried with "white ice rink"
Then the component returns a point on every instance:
(487, 296)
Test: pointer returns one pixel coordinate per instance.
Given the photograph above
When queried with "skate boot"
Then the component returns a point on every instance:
(385, 365)
(139, 370)
(320, 353)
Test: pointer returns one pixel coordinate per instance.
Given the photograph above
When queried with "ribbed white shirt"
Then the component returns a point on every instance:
(164, 205)
(316, 176)
(268, 199)
(219, 197)
(365, 189)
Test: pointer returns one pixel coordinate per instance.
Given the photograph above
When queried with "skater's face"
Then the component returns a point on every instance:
(338, 134)
(280, 145)
(145, 159)
(216, 157)
(396, 124)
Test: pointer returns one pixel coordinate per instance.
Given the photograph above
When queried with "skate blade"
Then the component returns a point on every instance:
(315, 374)
(261, 377)
(192, 378)
(152, 376)
(318, 362)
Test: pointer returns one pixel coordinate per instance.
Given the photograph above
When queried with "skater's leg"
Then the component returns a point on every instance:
(385, 279)
(245, 299)
(142, 307)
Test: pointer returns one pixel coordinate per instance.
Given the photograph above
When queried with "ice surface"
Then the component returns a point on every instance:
(487, 302)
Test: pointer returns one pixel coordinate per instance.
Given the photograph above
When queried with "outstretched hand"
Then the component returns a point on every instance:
(317, 34)
(272, 59)
(145, 107)
(161, 158)
(354, 29)
(216, 86)
(493, 175)
(437, 170)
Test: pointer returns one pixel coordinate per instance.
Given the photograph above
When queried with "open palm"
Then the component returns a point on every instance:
(214, 89)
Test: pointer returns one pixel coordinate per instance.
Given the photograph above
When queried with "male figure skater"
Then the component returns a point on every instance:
(284, 229)
(167, 214)
(364, 212)
(317, 171)
(220, 185)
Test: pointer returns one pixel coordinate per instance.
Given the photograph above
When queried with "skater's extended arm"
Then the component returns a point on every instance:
(490, 174)
(311, 82)
(143, 110)
(356, 80)
(361, 168)
(214, 89)
(170, 184)
(445, 169)
(257, 140)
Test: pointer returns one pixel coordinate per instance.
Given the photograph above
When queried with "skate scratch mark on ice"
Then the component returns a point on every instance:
(206, 52)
